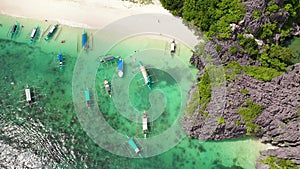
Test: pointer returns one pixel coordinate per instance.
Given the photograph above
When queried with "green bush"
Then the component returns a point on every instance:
(204, 89)
(233, 69)
(221, 120)
(201, 97)
(261, 73)
(276, 57)
(233, 50)
(175, 6)
(273, 8)
(249, 114)
(249, 44)
(237, 122)
(256, 14)
(214, 16)
(279, 163)
(244, 91)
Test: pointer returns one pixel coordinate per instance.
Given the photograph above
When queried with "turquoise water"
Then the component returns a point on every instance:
(51, 125)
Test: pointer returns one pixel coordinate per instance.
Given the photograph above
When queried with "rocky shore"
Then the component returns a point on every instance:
(279, 121)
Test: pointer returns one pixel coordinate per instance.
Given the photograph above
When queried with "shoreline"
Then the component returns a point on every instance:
(101, 13)
(59, 21)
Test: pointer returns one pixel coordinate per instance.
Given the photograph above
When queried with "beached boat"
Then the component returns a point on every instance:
(107, 87)
(145, 74)
(145, 124)
(84, 40)
(33, 34)
(60, 60)
(51, 32)
(14, 30)
(173, 47)
(120, 67)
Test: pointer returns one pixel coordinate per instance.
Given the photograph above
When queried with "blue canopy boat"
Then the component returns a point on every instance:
(84, 40)
(120, 67)
(51, 32)
(60, 60)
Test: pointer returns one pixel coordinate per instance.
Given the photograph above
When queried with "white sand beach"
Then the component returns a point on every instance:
(78, 13)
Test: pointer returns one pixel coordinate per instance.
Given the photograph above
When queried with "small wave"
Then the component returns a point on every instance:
(28, 146)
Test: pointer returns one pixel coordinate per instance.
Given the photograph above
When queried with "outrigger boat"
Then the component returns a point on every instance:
(145, 124)
(172, 48)
(28, 95)
(87, 97)
(107, 87)
(133, 145)
(84, 40)
(120, 67)
(14, 30)
(60, 60)
(33, 34)
(51, 32)
(107, 59)
(145, 74)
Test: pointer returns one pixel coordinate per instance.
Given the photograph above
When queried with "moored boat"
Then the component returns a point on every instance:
(84, 40)
(51, 32)
(145, 74)
(173, 47)
(14, 30)
(120, 67)
(33, 34)
(60, 60)
(145, 124)
(107, 87)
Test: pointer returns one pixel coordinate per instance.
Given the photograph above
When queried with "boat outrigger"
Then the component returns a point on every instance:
(145, 124)
(51, 32)
(14, 30)
(33, 34)
(120, 67)
(84, 40)
(87, 97)
(145, 74)
(60, 60)
(107, 87)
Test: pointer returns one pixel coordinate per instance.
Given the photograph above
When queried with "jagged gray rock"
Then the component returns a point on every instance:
(280, 120)
(287, 153)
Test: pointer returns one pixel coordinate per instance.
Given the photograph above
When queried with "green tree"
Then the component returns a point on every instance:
(175, 6)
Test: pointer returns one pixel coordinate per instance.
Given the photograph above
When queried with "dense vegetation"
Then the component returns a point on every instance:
(233, 69)
(279, 163)
(201, 96)
(214, 16)
(211, 16)
(248, 114)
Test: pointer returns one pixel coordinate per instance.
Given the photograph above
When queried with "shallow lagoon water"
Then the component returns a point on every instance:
(51, 129)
